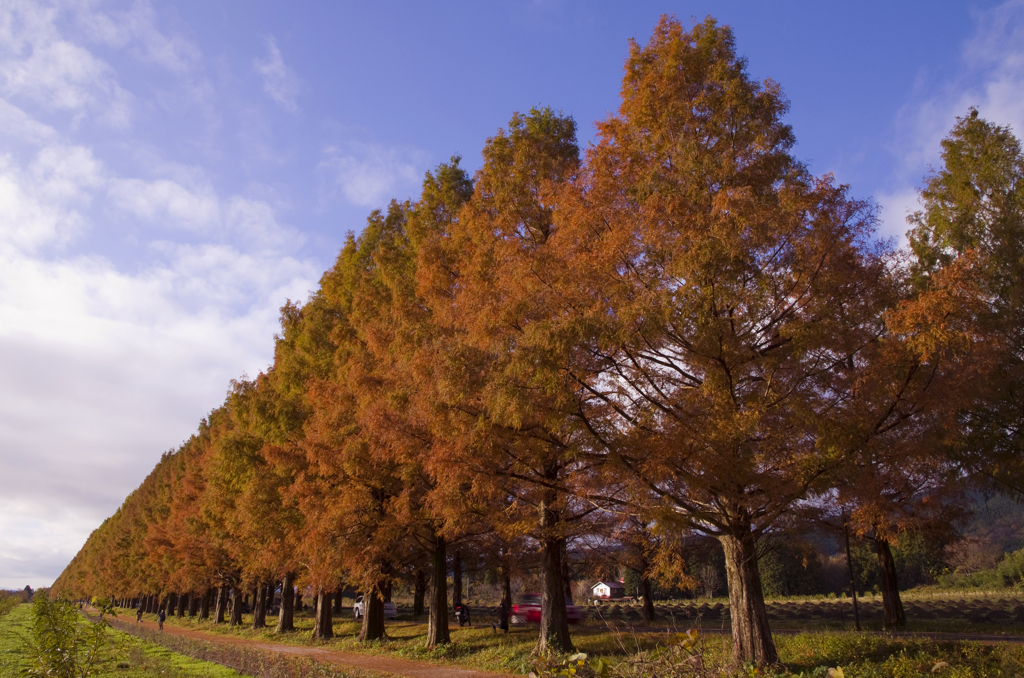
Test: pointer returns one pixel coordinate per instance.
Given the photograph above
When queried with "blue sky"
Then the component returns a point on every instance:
(170, 174)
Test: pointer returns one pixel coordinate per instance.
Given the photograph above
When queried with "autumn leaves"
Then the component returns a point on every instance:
(682, 327)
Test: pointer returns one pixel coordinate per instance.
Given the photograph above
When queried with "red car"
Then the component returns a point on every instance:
(528, 611)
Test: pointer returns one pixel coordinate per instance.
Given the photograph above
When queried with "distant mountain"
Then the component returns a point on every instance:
(998, 521)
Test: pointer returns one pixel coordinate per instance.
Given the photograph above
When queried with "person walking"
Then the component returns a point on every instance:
(138, 614)
(462, 614)
(160, 617)
(502, 618)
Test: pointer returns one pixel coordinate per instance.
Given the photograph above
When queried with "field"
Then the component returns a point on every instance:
(995, 613)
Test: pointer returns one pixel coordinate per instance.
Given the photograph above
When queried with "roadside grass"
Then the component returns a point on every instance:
(138, 659)
(862, 655)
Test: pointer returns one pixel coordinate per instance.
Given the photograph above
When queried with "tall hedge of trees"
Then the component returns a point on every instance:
(677, 330)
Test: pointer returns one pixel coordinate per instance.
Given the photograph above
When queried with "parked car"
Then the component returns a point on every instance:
(528, 611)
(390, 611)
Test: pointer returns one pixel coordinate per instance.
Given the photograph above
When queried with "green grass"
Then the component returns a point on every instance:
(809, 654)
(138, 659)
(872, 656)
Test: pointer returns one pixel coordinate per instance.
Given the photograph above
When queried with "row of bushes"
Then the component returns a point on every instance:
(1009, 573)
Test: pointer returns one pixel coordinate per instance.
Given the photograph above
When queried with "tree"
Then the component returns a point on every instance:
(731, 299)
(972, 224)
(505, 374)
(399, 409)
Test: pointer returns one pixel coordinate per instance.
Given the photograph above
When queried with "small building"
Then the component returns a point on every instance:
(612, 589)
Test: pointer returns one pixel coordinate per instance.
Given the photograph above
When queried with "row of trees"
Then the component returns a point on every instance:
(680, 331)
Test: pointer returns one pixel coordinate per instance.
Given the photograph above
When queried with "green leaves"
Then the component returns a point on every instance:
(975, 202)
(63, 645)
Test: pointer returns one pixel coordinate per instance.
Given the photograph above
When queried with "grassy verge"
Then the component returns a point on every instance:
(138, 659)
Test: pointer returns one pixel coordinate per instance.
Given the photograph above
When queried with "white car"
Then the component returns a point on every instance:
(390, 611)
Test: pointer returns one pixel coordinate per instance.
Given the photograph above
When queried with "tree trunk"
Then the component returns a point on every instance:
(506, 589)
(457, 580)
(169, 602)
(419, 593)
(222, 603)
(298, 601)
(853, 581)
(285, 621)
(237, 601)
(437, 617)
(648, 607)
(337, 603)
(388, 589)
(554, 625)
(204, 604)
(566, 574)
(193, 604)
(891, 603)
(751, 636)
(182, 603)
(323, 626)
(259, 607)
(373, 615)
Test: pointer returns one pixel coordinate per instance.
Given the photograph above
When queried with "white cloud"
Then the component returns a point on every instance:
(20, 127)
(132, 289)
(102, 369)
(998, 50)
(368, 175)
(39, 65)
(279, 82)
(254, 221)
(168, 201)
(39, 204)
(251, 224)
(136, 29)
(991, 78)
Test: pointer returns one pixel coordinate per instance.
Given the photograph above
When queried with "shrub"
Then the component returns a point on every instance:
(7, 602)
(63, 645)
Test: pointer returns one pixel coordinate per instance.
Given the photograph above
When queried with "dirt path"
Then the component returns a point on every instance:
(391, 665)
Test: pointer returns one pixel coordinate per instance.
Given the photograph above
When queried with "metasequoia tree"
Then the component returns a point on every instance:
(732, 299)
(359, 518)
(271, 521)
(504, 375)
(971, 226)
(397, 407)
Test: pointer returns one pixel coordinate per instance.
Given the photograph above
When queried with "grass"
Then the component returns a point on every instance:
(873, 656)
(138, 659)
(824, 645)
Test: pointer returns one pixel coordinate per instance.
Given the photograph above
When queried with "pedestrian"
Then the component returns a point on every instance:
(138, 615)
(160, 617)
(462, 614)
(502, 618)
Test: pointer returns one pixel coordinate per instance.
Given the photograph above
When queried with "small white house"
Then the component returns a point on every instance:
(612, 589)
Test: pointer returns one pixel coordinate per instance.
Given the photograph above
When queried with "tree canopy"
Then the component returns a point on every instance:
(680, 330)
